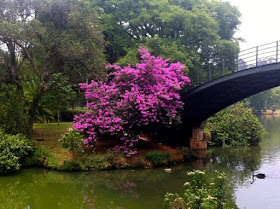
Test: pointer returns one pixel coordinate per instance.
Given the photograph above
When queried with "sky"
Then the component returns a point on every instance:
(260, 21)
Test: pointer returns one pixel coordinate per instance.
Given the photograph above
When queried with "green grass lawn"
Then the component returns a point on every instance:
(52, 126)
(46, 135)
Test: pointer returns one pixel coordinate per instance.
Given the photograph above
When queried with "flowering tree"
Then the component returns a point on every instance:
(133, 97)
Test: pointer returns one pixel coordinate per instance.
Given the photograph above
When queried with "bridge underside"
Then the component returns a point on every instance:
(208, 99)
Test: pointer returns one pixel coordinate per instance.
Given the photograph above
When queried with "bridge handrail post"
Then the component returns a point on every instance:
(257, 49)
(277, 51)
(223, 67)
(237, 62)
(209, 73)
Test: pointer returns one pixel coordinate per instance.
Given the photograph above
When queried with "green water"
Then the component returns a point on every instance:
(39, 188)
(145, 188)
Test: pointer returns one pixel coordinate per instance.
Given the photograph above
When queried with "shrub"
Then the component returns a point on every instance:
(132, 98)
(199, 193)
(158, 158)
(72, 140)
(235, 126)
(12, 150)
(99, 161)
(188, 154)
(41, 157)
(120, 162)
(72, 166)
(12, 120)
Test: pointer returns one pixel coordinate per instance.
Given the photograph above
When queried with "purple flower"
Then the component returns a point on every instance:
(135, 97)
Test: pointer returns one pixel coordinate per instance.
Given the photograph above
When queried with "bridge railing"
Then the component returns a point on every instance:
(259, 55)
(245, 59)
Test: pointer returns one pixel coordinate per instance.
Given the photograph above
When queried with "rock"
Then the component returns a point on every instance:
(167, 170)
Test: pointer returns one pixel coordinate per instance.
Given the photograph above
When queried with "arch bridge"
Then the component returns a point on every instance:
(258, 69)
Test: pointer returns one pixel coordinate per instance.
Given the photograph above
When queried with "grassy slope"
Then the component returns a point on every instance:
(46, 135)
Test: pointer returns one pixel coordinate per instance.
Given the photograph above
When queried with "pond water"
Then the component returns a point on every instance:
(145, 189)
(264, 193)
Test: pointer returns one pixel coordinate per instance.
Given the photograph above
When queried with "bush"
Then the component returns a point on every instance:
(12, 150)
(132, 99)
(72, 140)
(41, 157)
(158, 158)
(199, 193)
(99, 161)
(72, 166)
(235, 126)
(188, 154)
(12, 121)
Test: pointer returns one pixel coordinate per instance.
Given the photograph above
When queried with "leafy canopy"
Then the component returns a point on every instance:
(42, 39)
(235, 126)
(195, 33)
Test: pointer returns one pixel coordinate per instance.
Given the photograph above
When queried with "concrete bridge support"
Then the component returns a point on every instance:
(199, 138)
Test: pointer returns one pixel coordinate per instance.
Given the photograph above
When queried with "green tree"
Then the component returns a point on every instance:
(269, 99)
(59, 97)
(235, 126)
(195, 32)
(40, 39)
(8, 108)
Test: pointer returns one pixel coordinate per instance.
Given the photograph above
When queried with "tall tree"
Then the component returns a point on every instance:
(197, 32)
(43, 38)
(59, 98)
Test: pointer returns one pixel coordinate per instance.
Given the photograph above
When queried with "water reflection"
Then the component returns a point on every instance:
(264, 193)
(122, 189)
(138, 189)
(236, 162)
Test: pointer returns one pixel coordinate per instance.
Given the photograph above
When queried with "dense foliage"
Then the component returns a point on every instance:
(199, 34)
(57, 99)
(267, 100)
(48, 47)
(158, 158)
(235, 126)
(9, 115)
(40, 156)
(132, 98)
(72, 140)
(12, 150)
(42, 42)
(199, 193)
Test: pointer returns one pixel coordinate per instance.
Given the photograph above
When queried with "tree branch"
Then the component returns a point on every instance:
(29, 57)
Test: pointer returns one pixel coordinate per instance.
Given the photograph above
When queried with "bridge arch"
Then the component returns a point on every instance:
(258, 69)
(205, 100)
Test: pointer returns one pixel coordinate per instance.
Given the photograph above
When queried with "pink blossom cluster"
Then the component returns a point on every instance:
(132, 98)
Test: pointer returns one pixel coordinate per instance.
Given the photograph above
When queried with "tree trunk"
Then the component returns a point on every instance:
(20, 113)
(13, 73)
(58, 116)
(32, 108)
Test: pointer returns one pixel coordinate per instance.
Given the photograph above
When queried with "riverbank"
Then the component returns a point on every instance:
(270, 112)
(50, 153)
